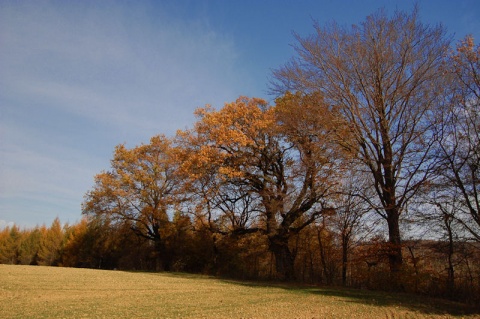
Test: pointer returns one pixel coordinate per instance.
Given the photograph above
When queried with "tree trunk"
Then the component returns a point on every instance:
(163, 257)
(450, 269)
(159, 254)
(345, 240)
(395, 257)
(323, 256)
(415, 267)
(284, 258)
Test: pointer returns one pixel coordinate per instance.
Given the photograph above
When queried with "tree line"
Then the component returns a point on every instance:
(364, 173)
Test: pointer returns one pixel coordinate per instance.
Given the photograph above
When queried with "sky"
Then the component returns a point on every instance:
(78, 78)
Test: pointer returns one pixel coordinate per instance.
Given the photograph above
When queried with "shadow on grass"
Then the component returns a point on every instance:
(417, 303)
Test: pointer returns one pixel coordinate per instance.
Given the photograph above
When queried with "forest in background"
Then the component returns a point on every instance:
(365, 173)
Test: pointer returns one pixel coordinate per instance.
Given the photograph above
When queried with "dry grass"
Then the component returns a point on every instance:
(48, 292)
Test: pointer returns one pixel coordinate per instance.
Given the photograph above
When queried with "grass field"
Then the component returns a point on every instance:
(49, 292)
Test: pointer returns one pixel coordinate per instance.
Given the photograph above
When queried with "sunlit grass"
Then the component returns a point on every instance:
(49, 292)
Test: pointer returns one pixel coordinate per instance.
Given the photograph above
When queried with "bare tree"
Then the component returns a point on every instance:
(384, 77)
(459, 145)
(350, 211)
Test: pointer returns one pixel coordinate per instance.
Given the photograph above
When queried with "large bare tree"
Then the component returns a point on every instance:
(384, 77)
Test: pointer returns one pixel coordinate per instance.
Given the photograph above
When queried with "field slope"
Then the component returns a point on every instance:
(49, 292)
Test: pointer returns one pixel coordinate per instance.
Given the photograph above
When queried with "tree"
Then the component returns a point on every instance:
(459, 145)
(350, 210)
(258, 171)
(10, 241)
(384, 77)
(75, 245)
(141, 190)
(30, 246)
(325, 238)
(19, 246)
(51, 244)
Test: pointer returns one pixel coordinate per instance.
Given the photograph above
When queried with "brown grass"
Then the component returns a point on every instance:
(49, 292)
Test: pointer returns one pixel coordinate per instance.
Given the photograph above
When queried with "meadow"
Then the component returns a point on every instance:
(54, 292)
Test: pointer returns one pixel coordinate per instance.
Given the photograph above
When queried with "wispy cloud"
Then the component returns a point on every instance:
(115, 64)
(78, 78)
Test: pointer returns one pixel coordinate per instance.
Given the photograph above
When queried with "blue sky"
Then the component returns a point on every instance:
(79, 77)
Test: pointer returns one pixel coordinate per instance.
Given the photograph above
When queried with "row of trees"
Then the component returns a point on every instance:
(365, 171)
(38, 246)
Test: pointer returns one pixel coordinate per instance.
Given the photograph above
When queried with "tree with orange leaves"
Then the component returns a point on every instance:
(260, 168)
(140, 190)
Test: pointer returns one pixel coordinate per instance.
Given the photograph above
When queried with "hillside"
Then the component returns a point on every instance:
(50, 292)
